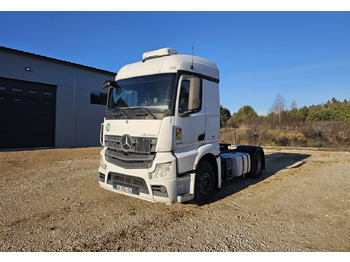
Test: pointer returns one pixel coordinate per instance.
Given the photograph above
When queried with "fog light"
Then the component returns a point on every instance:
(161, 170)
(163, 189)
(101, 177)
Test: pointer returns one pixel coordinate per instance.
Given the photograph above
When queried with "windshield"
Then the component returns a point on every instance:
(149, 93)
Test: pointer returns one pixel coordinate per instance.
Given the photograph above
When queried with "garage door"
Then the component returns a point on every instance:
(27, 114)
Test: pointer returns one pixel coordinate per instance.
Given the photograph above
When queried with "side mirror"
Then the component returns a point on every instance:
(112, 83)
(107, 84)
(195, 95)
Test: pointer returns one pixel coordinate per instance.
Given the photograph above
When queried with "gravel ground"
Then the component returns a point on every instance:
(51, 201)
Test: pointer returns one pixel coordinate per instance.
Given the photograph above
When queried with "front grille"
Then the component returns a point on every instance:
(136, 183)
(140, 155)
(138, 144)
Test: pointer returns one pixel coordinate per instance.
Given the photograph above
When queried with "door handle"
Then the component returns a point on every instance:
(201, 137)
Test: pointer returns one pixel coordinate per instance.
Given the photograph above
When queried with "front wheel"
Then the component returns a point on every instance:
(204, 183)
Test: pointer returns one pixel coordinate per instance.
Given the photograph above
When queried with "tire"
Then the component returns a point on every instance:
(204, 183)
(257, 164)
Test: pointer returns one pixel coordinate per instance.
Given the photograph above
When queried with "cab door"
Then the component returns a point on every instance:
(190, 114)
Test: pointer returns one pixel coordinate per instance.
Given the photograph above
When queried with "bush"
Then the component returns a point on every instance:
(327, 134)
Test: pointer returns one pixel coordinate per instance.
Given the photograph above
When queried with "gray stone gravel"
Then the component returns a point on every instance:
(51, 201)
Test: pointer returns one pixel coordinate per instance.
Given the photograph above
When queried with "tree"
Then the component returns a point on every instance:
(244, 113)
(294, 105)
(278, 106)
(334, 100)
(303, 112)
(224, 115)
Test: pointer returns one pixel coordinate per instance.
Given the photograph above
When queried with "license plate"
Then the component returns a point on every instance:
(124, 189)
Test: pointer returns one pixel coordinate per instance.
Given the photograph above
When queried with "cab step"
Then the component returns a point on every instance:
(185, 198)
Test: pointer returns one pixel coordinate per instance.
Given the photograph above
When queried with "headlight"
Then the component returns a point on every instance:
(162, 170)
(102, 164)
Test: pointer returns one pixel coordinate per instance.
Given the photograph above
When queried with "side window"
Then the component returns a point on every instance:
(184, 95)
(96, 98)
(190, 98)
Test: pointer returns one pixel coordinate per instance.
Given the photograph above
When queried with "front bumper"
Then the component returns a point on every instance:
(136, 182)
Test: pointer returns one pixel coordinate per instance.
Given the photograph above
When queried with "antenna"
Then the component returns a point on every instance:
(192, 58)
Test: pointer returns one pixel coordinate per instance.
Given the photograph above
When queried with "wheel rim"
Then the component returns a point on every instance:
(258, 164)
(204, 183)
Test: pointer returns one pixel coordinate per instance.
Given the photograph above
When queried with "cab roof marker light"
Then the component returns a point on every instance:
(158, 53)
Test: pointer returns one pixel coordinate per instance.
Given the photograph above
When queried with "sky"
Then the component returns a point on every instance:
(303, 56)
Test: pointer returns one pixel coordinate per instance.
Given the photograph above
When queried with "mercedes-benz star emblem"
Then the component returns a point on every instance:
(126, 142)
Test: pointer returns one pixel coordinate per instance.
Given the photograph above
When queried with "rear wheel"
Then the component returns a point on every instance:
(257, 165)
(204, 183)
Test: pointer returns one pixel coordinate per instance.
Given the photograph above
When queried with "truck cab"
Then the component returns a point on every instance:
(161, 132)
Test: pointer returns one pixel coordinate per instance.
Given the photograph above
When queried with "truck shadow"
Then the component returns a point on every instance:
(275, 162)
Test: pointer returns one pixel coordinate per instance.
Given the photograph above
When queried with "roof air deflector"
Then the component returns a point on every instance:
(158, 53)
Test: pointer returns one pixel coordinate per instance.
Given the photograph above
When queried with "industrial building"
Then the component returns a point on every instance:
(49, 103)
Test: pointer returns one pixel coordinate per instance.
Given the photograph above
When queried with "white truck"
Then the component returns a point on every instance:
(161, 132)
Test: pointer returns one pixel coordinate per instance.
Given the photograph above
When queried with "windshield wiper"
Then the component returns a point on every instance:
(149, 111)
(119, 109)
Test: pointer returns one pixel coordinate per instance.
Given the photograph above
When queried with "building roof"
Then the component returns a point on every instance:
(19, 52)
